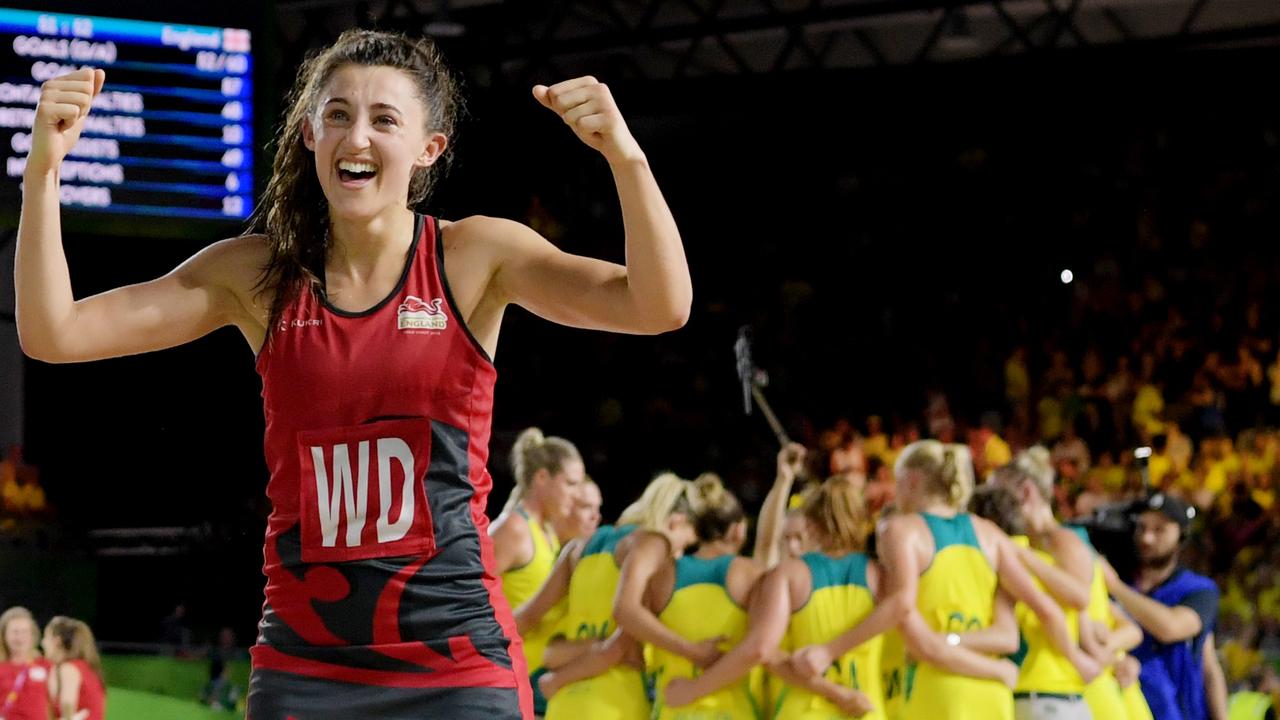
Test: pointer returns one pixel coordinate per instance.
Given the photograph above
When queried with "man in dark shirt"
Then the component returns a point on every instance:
(1177, 610)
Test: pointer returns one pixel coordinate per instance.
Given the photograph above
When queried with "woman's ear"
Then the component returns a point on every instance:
(674, 520)
(1026, 491)
(435, 147)
(308, 134)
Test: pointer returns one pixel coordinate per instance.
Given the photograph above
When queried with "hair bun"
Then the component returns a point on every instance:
(708, 490)
(1039, 457)
(529, 438)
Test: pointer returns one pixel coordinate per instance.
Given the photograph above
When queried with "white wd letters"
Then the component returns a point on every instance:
(341, 495)
(394, 449)
(356, 499)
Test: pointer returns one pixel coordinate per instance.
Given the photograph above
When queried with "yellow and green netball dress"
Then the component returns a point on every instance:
(522, 583)
(618, 693)
(700, 608)
(1103, 694)
(893, 673)
(840, 599)
(771, 692)
(1042, 669)
(956, 594)
(1136, 703)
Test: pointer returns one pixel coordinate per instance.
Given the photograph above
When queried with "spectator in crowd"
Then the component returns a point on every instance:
(1017, 386)
(1070, 448)
(876, 443)
(1148, 403)
(221, 692)
(989, 450)
(1119, 393)
(175, 631)
(1273, 407)
(76, 688)
(24, 674)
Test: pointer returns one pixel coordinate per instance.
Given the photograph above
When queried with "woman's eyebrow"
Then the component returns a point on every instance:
(376, 106)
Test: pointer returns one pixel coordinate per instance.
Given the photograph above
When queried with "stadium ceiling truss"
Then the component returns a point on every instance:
(495, 42)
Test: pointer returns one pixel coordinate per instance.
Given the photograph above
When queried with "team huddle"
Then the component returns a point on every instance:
(956, 602)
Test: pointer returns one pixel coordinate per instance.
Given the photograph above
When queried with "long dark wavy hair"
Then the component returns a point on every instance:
(293, 212)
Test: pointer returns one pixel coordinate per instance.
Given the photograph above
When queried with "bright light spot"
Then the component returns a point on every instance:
(1067, 277)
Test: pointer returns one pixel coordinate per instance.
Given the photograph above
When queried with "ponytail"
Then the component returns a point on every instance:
(951, 476)
(837, 511)
(947, 470)
(77, 641)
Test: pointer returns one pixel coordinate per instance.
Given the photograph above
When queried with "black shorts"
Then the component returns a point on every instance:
(275, 695)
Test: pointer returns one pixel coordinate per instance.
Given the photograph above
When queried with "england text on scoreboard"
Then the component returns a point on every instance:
(170, 135)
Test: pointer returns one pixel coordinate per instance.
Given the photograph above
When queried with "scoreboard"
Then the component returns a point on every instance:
(171, 134)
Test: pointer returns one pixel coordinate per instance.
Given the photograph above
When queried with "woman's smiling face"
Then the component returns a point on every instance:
(369, 134)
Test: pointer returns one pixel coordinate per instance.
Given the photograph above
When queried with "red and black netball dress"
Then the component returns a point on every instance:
(381, 596)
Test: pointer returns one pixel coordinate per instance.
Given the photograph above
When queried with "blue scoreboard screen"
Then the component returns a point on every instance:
(171, 134)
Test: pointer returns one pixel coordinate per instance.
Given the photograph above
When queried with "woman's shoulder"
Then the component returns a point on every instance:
(644, 542)
(646, 538)
(485, 232)
(509, 526)
(479, 224)
(990, 539)
(247, 245)
(236, 258)
(236, 264)
(254, 249)
(904, 524)
(794, 567)
(1066, 538)
(744, 564)
(986, 530)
